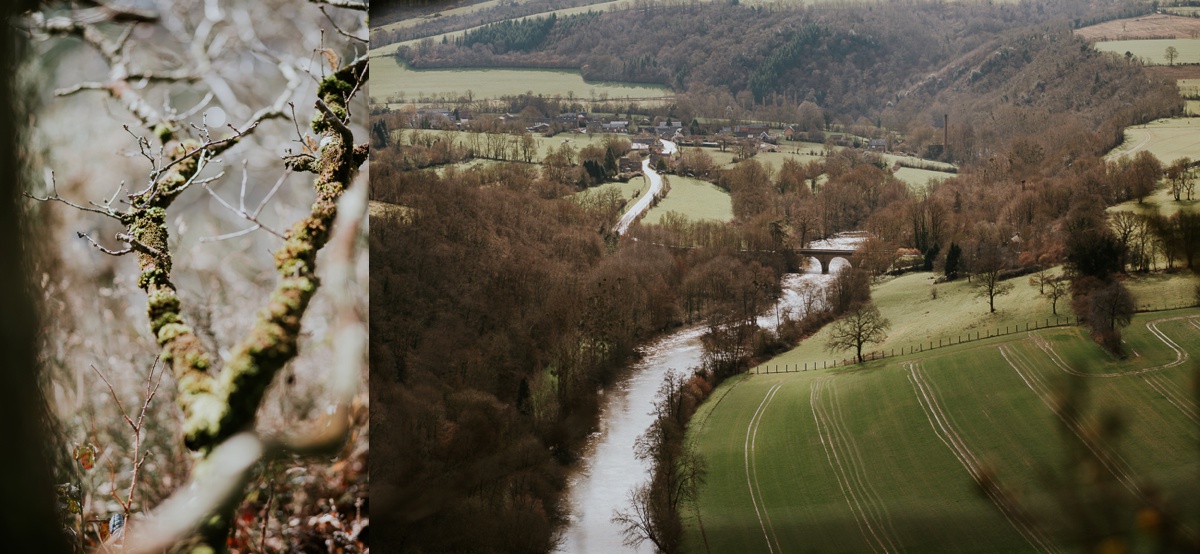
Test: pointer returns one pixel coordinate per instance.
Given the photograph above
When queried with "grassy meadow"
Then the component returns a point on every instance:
(1167, 139)
(390, 78)
(888, 456)
(696, 199)
(1153, 51)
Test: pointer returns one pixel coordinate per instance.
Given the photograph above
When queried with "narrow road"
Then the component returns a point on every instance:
(648, 197)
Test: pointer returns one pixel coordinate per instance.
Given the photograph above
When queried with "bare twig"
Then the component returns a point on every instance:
(138, 246)
(334, 119)
(53, 196)
(348, 4)
(339, 29)
(103, 249)
(139, 458)
(253, 218)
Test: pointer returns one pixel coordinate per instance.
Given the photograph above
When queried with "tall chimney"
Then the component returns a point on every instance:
(946, 133)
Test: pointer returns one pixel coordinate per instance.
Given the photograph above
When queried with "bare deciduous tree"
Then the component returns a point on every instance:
(861, 326)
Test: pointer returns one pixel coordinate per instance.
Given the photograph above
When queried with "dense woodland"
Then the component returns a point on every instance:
(503, 302)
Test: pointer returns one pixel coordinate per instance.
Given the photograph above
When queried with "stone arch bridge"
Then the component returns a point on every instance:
(825, 256)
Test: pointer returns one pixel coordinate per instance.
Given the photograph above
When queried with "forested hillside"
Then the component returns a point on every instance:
(874, 62)
(500, 311)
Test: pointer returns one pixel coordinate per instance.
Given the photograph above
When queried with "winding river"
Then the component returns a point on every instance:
(609, 470)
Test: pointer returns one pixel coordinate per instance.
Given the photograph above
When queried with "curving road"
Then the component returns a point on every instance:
(648, 197)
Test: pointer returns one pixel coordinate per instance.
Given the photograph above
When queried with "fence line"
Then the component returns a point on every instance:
(1144, 308)
(1060, 321)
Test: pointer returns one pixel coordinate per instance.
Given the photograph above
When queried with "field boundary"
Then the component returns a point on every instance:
(1059, 321)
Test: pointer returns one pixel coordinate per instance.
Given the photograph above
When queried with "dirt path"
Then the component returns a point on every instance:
(1021, 521)
(752, 471)
(874, 522)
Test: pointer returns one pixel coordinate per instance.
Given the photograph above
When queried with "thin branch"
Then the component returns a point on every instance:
(334, 120)
(179, 75)
(242, 212)
(271, 194)
(348, 4)
(138, 246)
(114, 394)
(232, 235)
(339, 29)
(55, 197)
(208, 96)
(67, 91)
(103, 249)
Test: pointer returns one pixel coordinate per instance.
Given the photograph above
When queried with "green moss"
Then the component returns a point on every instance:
(171, 330)
(334, 86)
(197, 360)
(150, 276)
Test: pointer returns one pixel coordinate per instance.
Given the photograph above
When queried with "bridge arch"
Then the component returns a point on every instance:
(825, 256)
(825, 260)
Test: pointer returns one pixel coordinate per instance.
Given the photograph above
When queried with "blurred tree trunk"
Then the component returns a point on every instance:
(28, 522)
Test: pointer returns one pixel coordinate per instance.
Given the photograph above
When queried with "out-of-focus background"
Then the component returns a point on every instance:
(93, 313)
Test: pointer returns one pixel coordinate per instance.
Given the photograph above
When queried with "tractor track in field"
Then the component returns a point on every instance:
(1172, 393)
(845, 459)
(1169, 390)
(764, 518)
(1112, 461)
(1021, 521)
(1152, 326)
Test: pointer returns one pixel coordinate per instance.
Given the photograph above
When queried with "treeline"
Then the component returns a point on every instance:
(500, 309)
(520, 35)
(440, 24)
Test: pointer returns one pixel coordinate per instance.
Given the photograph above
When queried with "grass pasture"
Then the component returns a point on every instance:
(696, 199)
(1153, 51)
(1150, 26)
(390, 78)
(887, 456)
(1168, 139)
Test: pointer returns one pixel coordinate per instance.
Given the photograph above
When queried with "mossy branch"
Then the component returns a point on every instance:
(272, 342)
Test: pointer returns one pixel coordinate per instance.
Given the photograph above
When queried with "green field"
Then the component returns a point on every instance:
(696, 199)
(1183, 10)
(890, 455)
(920, 179)
(1152, 51)
(1167, 139)
(390, 78)
(804, 152)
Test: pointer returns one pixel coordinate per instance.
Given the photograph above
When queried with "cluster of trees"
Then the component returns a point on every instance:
(432, 22)
(511, 34)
